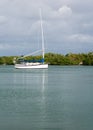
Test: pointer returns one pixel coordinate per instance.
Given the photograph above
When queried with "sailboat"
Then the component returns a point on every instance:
(20, 63)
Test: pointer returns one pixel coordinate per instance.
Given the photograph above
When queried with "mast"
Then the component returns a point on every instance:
(42, 32)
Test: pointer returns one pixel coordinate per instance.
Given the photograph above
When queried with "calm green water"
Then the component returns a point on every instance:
(58, 98)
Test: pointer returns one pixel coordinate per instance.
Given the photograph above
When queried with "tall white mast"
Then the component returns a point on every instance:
(43, 50)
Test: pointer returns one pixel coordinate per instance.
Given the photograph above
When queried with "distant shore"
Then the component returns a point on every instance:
(56, 59)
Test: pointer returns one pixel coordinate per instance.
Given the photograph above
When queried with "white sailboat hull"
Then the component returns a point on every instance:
(24, 66)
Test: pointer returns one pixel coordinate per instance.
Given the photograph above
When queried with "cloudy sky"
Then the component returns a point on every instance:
(67, 24)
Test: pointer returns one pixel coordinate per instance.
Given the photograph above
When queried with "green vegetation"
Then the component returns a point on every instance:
(6, 60)
(56, 59)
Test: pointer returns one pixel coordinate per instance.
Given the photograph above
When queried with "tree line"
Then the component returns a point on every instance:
(56, 59)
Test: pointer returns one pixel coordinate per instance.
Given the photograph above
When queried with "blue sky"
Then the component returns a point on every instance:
(67, 24)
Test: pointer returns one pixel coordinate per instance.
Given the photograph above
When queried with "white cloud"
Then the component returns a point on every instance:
(80, 38)
(65, 11)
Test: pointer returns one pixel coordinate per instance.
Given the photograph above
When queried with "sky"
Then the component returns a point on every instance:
(67, 25)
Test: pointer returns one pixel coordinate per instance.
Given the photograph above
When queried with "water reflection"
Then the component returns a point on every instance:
(29, 101)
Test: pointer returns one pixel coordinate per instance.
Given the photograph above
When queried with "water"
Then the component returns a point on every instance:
(58, 98)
